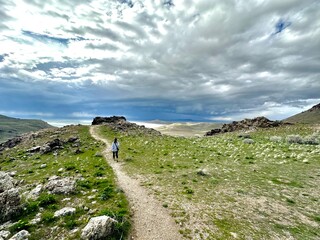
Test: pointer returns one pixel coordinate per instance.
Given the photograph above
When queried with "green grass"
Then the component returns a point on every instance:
(248, 188)
(96, 192)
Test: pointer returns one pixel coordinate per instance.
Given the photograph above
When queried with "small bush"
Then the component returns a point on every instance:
(20, 225)
(31, 207)
(84, 184)
(294, 139)
(107, 193)
(311, 140)
(46, 199)
(275, 139)
(47, 217)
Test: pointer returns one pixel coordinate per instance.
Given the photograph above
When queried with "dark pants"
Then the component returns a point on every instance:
(115, 154)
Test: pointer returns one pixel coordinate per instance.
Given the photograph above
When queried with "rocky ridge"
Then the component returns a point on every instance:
(246, 124)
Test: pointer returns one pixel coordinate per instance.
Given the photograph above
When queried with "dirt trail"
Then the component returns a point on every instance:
(150, 220)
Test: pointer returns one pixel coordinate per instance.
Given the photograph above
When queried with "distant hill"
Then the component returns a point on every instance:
(310, 116)
(12, 127)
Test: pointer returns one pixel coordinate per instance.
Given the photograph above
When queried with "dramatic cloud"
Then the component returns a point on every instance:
(170, 60)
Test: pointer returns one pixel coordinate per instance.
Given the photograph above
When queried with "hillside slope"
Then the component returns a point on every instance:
(311, 116)
(11, 127)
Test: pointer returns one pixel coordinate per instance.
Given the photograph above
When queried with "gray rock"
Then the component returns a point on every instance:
(9, 198)
(34, 149)
(34, 193)
(22, 235)
(65, 211)
(6, 182)
(98, 228)
(59, 185)
(4, 234)
(43, 165)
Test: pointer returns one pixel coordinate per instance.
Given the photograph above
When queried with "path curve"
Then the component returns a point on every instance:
(150, 220)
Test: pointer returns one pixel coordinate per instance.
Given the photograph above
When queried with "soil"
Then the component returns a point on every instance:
(151, 221)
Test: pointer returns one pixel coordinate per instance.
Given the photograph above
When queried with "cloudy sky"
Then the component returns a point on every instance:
(159, 59)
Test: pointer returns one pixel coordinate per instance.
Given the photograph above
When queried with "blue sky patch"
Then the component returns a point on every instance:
(281, 25)
(47, 38)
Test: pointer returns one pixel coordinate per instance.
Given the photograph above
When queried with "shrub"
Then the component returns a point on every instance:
(20, 225)
(311, 139)
(47, 217)
(275, 139)
(294, 139)
(46, 199)
(107, 193)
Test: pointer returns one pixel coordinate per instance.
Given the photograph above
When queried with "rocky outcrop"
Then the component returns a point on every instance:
(315, 108)
(120, 124)
(57, 185)
(10, 205)
(10, 143)
(98, 228)
(51, 146)
(246, 124)
(102, 120)
(22, 235)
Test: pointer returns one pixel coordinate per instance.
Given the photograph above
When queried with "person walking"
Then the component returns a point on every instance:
(115, 149)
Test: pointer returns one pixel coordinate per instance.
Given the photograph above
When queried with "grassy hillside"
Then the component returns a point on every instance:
(262, 186)
(311, 116)
(96, 193)
(12, 127)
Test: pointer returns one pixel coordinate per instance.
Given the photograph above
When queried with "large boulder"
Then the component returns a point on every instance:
(58, 185)
(10, 205)
(98, 228)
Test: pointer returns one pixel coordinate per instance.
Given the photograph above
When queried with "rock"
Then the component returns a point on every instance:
(59, 185)
(114, 119)
(43, 165)
(98, 228)
(52, 145)
(13, 173)
(10, 205)
(23, 234)
(248, 141)
(121, 124)
(246, 124)
(202, 172)
(65, 211)
(78, 151)
(34, 149)
(34, 193)
(11, 143)
(73, 139)
(6, 182)
(4, 234)
(9, 198)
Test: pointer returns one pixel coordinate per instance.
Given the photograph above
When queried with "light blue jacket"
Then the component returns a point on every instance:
(115, 146)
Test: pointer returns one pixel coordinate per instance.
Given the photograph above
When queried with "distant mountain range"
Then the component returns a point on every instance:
(311, 116)
(12, 127)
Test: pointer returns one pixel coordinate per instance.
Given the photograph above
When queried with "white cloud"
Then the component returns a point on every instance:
(219, 59)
